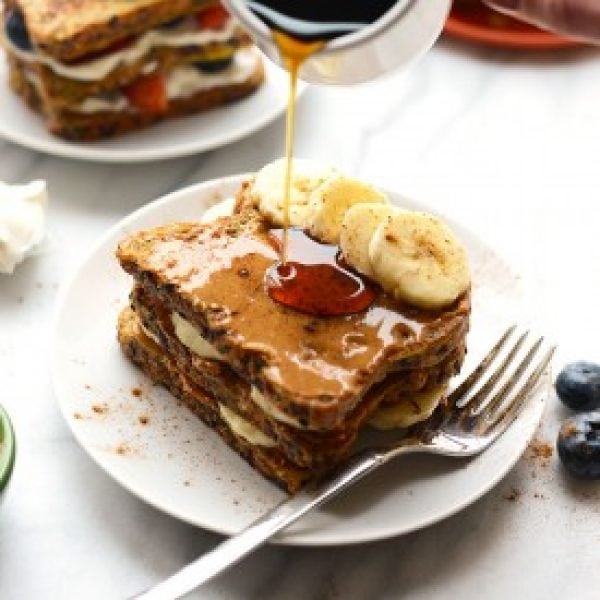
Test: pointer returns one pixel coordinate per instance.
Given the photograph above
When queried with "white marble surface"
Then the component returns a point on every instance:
(506, 143)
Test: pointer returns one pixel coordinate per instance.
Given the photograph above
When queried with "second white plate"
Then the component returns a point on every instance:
(169, 139)
(167, 457)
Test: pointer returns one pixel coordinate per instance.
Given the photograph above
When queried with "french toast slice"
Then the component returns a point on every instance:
(161, 369)
(82, 126)
(68, 30)
(314, 370)
(307, 448)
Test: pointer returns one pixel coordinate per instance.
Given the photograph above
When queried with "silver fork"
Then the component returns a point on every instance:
(471, 420)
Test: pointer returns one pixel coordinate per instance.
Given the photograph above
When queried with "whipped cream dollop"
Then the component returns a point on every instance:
(22, 221)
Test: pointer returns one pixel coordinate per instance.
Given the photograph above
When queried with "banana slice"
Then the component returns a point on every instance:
(332, 200)
(418, 258)
(358, 226)
(406, 413)
(268, 190)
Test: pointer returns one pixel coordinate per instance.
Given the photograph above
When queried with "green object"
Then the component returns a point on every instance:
(7, 449)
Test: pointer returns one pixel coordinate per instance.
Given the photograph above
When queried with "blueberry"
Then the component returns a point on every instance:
(16, 30)
(579, 445)
(173, 23)
(578, 386)
(214, 66)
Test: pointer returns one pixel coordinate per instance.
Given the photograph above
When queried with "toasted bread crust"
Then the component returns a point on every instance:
(310, 449)
(70, 29)
(161, 370)
(88, 127)
(143, 256)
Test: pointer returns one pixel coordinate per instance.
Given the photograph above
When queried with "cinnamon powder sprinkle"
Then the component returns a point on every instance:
(513, 496)
(99, 409)
(541, 451)
(122, 449)
(143, 419)
(136, 391)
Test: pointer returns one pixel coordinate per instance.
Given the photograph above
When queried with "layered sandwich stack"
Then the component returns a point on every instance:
(96, 68)
(289, 391)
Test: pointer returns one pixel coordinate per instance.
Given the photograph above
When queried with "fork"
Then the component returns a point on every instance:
(469, 422)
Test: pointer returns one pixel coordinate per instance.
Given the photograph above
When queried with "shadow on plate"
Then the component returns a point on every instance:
(388, 479)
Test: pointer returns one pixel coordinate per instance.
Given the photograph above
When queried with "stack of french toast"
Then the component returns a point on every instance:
(287, 390)
(97, 69)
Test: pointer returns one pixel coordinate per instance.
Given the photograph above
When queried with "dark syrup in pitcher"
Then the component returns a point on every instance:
(316, 283)
(314, 20)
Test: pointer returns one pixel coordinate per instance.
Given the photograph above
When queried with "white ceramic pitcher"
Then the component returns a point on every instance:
(403, 34)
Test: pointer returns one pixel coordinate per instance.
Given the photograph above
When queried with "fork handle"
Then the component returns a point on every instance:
(232, 550)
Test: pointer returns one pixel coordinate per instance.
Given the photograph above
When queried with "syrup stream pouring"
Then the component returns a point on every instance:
(296, 33)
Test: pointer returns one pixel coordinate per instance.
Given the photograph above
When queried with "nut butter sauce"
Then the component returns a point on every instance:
(315, 281)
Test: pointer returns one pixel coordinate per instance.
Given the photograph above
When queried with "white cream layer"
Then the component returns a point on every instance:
(189, 336)
(182, 82)
(399, 416)
(238, 425)
(273, 411)
(99, 68)
(245, 429)
(96, 104)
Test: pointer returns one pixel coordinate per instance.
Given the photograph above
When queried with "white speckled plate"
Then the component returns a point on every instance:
(166, 456)
(171, 138)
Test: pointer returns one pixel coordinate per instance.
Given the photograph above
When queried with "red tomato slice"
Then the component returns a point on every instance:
(214, 18)
(149, 94)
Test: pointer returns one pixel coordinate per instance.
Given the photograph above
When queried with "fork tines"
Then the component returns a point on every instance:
(515, 364)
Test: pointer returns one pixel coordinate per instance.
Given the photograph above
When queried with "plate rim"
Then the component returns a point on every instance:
(463, 29)
(298, 539)
(88, 152)
(8, 449)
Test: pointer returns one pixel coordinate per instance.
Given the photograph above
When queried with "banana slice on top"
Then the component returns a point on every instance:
(358, 226)
(417, 257)
(332, 200)
(268, 190)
